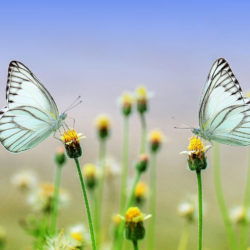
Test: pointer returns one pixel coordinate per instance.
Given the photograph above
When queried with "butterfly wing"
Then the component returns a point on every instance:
(30, 113)
(224, 113)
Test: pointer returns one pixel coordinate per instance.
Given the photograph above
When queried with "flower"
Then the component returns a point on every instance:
(155, 139)
(41, 199)
(71, 141)
(80, 234)
(239, 215)
(103, 126)
(117, 218)
(142, 163)
(189, 208)
(196, 152)
(60, 157)
(140, 192)
(134, 224)
(90, 174)
(126, 102)
(25, 180)
(142, 97)
(62, 242)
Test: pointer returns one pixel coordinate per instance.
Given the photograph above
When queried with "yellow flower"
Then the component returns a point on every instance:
(71, 141)
(89, 171)
(140, 191)
(117, 219)
(80, 234)
(135, 215)
(156, 138)
(103, 125)
(126, 101)
(142, 97)
(195, 144)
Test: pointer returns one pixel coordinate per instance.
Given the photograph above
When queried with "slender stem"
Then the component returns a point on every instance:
(184, 238)
(98, 205)
(129, 204)
(152, 202)
(221, 200)
(56, 198)
(143, 133)
(199, 181)
(246, 202)
(124, 164)
(135, 244)
(92, 233)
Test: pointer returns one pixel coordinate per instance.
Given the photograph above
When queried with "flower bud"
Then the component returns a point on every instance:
(142, 99)
(142, 163)
(126, 101)
(140, 192)
(103, 126)
(60, 157)
(155, 140)
(90, 175)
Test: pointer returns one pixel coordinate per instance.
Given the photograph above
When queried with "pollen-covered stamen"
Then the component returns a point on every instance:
(196, 145)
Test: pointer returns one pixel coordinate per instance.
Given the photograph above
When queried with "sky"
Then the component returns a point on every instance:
(97, 49)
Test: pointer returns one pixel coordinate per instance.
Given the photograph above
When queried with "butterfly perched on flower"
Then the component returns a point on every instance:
(30, 115)
(224, 114)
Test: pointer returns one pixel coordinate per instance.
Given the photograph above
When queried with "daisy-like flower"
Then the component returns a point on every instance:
(25, 180)
(140, 192)
(134, 224)
(196, 154)
(72, 145)
(142, 97)
(62, 242)
(41, 199)
(80, 234)
(156, 139)
(126, 103)
(103, 125)
(189, 208)
(239, 215)
(89, 172)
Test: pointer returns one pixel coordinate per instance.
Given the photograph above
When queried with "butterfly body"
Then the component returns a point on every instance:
(30, 115)
(224, 113)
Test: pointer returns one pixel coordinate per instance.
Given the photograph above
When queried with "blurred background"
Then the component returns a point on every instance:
(98, 49)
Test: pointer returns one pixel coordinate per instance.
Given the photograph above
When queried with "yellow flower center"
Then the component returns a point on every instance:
(102, 122)
(156, 136)
(117, 219)
(70, 136)
(77, 236)
(195, 144)
(89, 170)
(141, 189)
(47, 189)
(141, 93)
(127, 99)
(134, 215)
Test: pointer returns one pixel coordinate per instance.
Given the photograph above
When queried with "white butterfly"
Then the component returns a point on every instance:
(31, 114)
(224, 114)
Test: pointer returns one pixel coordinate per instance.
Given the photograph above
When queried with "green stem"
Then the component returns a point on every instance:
(152, 202)
(199, 181)
(98, 203)
(143, 134)
(184, 238)
(56, 198)
(123, 193)
(91, 229)
(135, 244)
(221, 200)
(129, 204)
(246, 202)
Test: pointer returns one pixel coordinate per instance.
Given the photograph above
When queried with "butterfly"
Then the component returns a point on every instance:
(224, 114)
(30, 115)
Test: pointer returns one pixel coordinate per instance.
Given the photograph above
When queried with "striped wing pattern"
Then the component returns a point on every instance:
(224, 112)
(30, 113)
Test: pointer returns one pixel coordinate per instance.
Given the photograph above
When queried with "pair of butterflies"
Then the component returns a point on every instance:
(31, 114)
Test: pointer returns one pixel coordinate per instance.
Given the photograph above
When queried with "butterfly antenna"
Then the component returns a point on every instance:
(75, 103)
